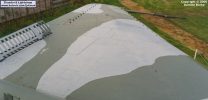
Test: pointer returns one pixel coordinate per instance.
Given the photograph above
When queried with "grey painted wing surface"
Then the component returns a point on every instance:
(26, 67)
(169, 78)
(22, 92)
(55, 46)
(98, 41)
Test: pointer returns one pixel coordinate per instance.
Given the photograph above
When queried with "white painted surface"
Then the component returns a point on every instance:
(14, 62)
(94, 10)
(114, 48)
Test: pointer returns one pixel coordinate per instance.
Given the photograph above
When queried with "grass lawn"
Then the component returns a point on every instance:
(196, 22)
(111, 2)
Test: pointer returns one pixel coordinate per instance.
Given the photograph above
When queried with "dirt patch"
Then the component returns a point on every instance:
(172, 30)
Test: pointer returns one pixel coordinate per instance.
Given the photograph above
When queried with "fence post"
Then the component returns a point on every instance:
(195, 54)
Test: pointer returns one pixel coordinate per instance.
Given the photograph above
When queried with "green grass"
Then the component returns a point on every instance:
(196, 22)
(110, 2)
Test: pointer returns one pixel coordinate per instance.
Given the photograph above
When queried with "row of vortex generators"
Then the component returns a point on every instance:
(22, 38)
(71, 20)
